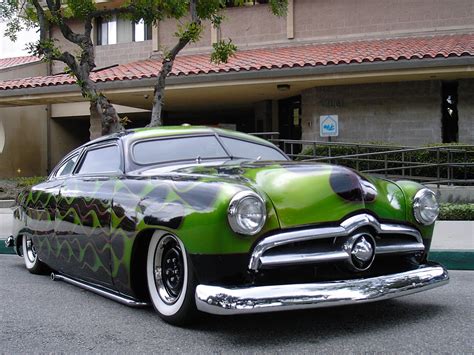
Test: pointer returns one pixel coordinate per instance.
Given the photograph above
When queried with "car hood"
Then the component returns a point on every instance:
(307, 193)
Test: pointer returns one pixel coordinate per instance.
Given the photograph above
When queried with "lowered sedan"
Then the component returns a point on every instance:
(196, 219)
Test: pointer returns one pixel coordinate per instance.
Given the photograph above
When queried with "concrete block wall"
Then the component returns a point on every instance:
(466, 111)
(121, 53)
(368, 18)
(253, 25)
(314, 20)
(407, 113)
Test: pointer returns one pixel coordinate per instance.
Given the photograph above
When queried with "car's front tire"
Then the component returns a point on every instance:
(170, 279)
(32, 263)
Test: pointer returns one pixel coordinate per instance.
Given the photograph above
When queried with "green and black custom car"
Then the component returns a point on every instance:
(193, 219)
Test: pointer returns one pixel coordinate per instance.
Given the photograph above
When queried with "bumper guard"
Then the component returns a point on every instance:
(259, 299)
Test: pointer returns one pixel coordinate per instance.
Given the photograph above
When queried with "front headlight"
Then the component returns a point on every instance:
(425, 207)
(247, 213)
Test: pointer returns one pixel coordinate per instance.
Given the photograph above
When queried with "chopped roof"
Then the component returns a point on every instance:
(312, 55)
(6, 63)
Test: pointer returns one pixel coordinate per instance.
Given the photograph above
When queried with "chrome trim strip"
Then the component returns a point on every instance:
(303, 258)
(344, 229)
(99, 291)
(259, 299)
(399, 248)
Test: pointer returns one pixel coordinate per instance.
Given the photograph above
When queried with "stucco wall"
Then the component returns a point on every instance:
(25, 149)
(407, 113)
(466, 111)
(67, 134)
(24, 71)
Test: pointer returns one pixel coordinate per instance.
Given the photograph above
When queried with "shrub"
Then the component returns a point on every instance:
(462, 155)
(26, 182)
(456, 212)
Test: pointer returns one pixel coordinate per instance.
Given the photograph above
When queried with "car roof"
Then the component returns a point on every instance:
(166, 131)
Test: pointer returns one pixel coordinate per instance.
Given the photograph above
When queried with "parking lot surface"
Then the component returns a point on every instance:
(39, 315)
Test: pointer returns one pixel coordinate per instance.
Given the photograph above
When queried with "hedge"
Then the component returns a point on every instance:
(456, 212)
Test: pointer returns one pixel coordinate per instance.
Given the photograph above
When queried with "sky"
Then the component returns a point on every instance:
(16, 49)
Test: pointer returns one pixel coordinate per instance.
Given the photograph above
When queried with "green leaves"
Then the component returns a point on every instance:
(190, 32)
(79, 8)
(222, 50)
(456, 212)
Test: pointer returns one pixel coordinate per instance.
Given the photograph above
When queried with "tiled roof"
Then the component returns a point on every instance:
(14, 61)
(313, 55)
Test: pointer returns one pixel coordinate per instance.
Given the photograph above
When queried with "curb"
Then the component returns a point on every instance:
(453, 259)
(4, 249)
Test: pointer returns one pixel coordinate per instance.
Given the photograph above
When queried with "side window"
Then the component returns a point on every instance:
(101, 160)
(67, 166)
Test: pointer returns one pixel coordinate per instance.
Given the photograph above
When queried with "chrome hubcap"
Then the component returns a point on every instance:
(30, 250)
(169, 269)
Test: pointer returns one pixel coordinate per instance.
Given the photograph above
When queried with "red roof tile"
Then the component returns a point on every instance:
(14, 61)
(322, 54)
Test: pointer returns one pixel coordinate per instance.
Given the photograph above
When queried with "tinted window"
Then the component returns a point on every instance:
(248, 150)
(101, 160)
(67, 166)
(175, 149)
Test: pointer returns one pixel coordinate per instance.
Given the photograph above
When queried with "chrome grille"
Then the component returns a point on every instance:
(317, 245)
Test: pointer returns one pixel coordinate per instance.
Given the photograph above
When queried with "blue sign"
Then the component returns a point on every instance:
(329, 126)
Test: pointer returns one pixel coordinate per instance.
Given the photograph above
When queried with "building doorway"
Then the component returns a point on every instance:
(449, 112)
(289, 122)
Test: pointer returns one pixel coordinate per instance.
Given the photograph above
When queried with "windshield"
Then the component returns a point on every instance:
(176, 149)
(249, 150)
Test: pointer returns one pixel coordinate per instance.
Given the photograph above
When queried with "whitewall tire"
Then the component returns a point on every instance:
(30, 256)
(170, 278)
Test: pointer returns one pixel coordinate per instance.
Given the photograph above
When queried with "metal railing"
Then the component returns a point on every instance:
(429, 165)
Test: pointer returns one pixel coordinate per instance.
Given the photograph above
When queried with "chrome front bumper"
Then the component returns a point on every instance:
(259, 299)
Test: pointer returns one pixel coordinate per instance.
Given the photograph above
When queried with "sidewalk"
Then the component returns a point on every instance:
(452, 246)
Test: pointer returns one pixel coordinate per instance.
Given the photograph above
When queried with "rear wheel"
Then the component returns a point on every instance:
(170, 279)
(32, 263)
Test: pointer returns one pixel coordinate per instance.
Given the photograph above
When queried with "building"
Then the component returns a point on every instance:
(391, 70)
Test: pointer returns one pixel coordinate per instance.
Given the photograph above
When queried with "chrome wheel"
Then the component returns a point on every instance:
(30, 250)
(170, 278)
(169, 269)
(30, 256)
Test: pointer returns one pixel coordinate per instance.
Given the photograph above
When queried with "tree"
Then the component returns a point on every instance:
(190, 14)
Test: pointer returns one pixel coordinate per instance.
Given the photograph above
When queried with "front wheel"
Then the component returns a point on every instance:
(32, 263)
(170, 278)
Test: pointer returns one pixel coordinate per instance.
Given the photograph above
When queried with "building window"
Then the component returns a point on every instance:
(449, 112)
(233, 3)
(118, 30)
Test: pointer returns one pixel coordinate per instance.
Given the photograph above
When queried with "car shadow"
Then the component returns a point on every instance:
(317, 325)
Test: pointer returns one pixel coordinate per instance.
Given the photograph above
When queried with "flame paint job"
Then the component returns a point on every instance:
(87, 226)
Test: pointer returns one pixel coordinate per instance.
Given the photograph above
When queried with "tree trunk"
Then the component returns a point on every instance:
(104, 119)
(159, 93)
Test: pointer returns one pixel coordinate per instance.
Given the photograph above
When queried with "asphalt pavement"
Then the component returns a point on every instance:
(39, 315)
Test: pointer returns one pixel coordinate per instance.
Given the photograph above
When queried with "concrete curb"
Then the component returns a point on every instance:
(4, 249)
(453, 259)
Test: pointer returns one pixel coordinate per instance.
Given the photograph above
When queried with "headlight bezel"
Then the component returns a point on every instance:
(233, 212)
(417, 205)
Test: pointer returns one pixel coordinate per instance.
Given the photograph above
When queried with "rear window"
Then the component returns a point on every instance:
(177, 149)
(248, 150)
